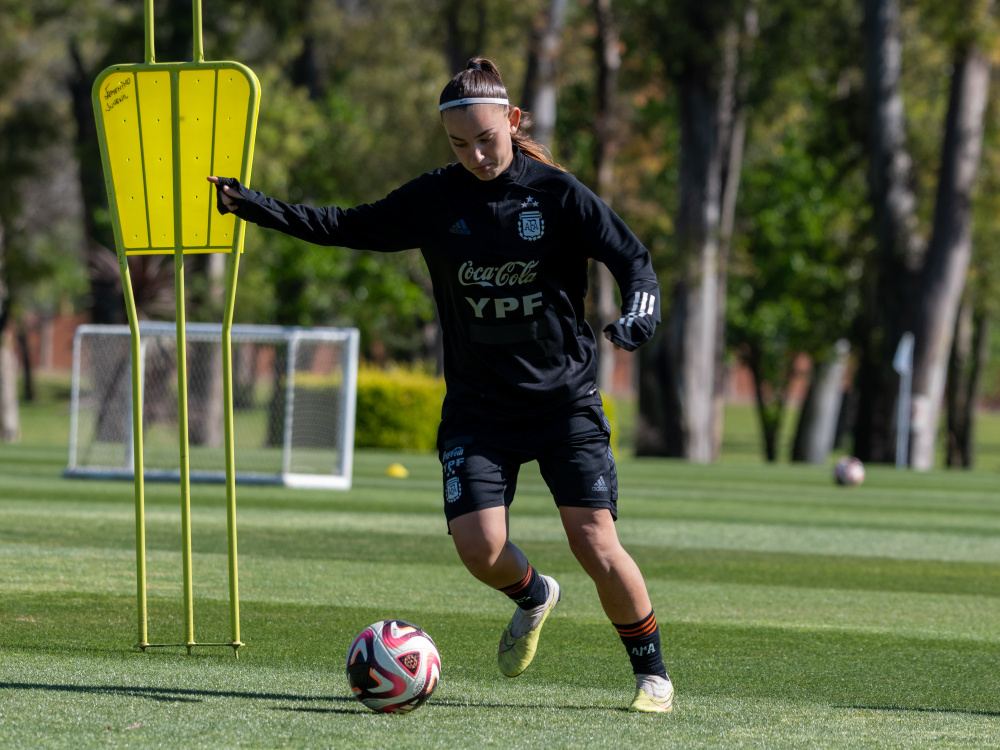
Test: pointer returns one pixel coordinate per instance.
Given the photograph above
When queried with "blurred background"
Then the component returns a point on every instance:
(813, 180)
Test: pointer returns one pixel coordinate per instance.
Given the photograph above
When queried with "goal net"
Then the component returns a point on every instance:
(293, 403)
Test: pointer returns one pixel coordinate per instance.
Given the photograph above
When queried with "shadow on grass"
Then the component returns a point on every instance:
(914, 709)
(187, 695)
(172, 695)
(469, 704)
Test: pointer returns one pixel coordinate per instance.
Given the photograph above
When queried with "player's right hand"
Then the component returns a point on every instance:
(228, 193)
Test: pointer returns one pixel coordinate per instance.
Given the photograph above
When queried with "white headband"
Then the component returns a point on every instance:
(463, 102)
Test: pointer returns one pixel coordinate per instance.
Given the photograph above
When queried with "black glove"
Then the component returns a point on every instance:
(636, 326)
(233, 184)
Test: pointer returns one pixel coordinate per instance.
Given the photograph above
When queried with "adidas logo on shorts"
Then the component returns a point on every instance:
(600, 485)
(460, 227)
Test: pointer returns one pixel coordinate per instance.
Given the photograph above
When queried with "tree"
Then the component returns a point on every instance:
(606, 143)
(9, 421)
(540, 86)
(733, 106)
(969, 371)
(677, 385)
(29, 132)
(946, 263)
(916, 283)
(465, 31)
(798, 254)
(969, 350)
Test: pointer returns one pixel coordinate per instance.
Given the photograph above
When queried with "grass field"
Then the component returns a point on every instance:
(794, 614)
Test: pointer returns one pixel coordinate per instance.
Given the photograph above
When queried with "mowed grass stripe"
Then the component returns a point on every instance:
(656, 489)
(675, 563)
(313, 532)
(445, 587)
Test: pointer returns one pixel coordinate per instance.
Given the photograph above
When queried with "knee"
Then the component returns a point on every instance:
(478, 555)
(594, 550)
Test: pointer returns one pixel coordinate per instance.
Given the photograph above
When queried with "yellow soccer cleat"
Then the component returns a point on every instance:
(520, 638)
(653, 695)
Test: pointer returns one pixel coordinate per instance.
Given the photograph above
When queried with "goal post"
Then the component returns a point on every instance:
(294, 396)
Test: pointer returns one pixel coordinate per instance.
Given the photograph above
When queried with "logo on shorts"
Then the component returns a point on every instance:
(452, 490)
(451, 460)
(600, 485)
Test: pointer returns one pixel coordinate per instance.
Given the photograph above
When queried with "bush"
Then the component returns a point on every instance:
(398, 409)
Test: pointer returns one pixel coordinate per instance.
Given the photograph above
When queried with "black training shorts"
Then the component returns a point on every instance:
(480, 459)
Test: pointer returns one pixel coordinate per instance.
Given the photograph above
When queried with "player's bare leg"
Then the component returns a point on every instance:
(482, 545)
(594, 540)
(481, 539)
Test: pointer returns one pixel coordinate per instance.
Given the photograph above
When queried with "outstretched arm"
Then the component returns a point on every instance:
(390, 224)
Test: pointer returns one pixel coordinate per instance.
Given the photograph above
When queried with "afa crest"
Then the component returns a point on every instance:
(530, 224)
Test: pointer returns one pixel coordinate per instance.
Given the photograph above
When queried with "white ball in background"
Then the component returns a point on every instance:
(849, 471)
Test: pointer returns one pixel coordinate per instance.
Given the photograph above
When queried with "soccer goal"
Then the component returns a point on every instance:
(294, 395)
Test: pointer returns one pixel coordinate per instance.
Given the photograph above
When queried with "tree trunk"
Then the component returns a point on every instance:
(605, 151)
(690, 346)
(10, 424)
(948, 253)
(899, 251)
(26, 369)
(205, 363)
(463, 40)
(205, 415)
(106, 304)
(277, 402)
(540, 87)
(695, 302)
(659, 429)
(770, 405)
(732, 134)
(9, 415)
(817, 428)
(969, 352)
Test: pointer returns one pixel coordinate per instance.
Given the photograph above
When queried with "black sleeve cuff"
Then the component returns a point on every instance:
(628, 337)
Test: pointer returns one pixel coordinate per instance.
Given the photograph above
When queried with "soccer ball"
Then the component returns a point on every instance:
(393, 666)
(849, 471)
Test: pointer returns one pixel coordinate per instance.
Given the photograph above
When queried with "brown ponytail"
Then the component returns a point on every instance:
(481, 79)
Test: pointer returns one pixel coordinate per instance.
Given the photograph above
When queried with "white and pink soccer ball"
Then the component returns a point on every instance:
(849, 471)
(393, 666)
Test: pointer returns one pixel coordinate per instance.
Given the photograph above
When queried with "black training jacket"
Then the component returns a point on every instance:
(508, 260)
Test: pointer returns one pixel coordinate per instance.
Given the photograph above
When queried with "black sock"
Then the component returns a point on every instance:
(642, 643)
(529, 592)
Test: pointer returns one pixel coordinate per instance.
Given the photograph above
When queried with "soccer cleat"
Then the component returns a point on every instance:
(520, 638)
(653, 694)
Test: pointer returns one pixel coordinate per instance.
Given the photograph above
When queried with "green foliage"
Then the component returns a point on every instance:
(39, 229)
(803, 211)
(348, 113)
(398, 408)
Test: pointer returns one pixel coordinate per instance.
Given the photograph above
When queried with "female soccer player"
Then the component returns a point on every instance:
(506, 235)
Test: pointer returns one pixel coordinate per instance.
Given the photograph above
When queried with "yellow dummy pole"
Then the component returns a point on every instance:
(163, 128)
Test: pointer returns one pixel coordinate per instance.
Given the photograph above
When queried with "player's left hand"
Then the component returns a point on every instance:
(607, 335)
